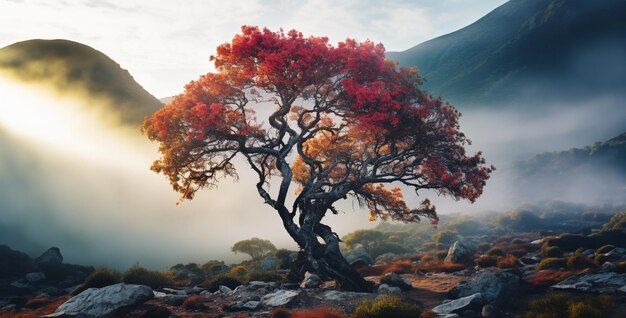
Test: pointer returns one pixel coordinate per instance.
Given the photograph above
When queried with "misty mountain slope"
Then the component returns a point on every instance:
(558, 49)
(73, 68)
(597, 171)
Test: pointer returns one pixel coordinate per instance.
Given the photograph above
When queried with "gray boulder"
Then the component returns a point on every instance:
(310, 281)
(280, 297)
(358, 257)
(474, 301)
(489, 311)
(609, 282)
(459, 252)
(51, 256)
(385, 289)
(395, 280)
(35, 277)
(495, 286)
(269, 263)
(98, 302)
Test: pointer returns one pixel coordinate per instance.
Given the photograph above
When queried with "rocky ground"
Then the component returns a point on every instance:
(51, 288)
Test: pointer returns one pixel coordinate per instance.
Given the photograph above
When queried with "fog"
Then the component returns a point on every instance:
(72, 178)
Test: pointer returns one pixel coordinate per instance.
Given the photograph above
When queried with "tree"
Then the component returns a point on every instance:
(255, 247)
(345, 123)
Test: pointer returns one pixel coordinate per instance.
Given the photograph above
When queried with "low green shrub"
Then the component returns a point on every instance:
(487, 261)
(579, 262)
(229, 281)
(265, 276)
(552, 251)
(142, 276)
(240, 272)
(552, 263)
(387, 306)
(99, 278)
(495, 251)
(561, 306)
(571, 242)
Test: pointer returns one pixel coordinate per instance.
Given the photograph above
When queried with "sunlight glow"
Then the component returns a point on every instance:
(67, 125)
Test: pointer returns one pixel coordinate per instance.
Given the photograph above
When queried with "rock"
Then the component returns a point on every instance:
(460, 305)
(529, 260)
(495, 286)
(174, 300)
(537, 242)
(51, 256)
(52, 291)
(469, 314)
(609, 282)
(279, 298)
(358, 258)
(310, 281)
(395, 280)
(616, 254)
(449, 316)
(256, 285)
(289, 286)
(97, 302)
(269, 262)
(335, 295)
(608, 266)
(385, 289)
(251, 305)
(173, 291)
(225, 290)
(589, 252)
(158, 294)
(459, 252)
(489, 311)
(35, 277)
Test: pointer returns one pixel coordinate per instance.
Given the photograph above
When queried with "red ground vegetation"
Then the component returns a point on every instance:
(308, 313)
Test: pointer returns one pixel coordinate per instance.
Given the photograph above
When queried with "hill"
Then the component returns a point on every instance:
(537, 49)
(73, 68)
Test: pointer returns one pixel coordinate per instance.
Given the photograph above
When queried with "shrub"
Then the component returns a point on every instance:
(548, 277)
(571, 242)
(437, 266)
(578, 262)
(240, 272)
(308, 313)
(213, 267)
(375, 242)
(600, 259)
(100, 278)
(194, 302)
(387, 306)
(559, 305)
(265, 276)
(507, 261)
(495, 251)
(605, 249)
(401, 267)
(214, 283)
(620, 267)
(552, 263)
(142, 276)
(445, 237)
(552, 251)
(487, 261)
(369, 270)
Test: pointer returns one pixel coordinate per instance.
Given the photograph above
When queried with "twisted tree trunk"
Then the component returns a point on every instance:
(324, 259)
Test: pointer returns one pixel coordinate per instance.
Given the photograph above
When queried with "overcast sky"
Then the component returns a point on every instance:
(165, 44)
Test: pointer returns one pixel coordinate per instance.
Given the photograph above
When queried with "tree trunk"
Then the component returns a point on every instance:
(325, 260)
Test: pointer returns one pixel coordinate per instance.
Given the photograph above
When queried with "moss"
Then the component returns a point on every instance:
(387, 306)
(142, 276)
(487, 261)
(552, 263)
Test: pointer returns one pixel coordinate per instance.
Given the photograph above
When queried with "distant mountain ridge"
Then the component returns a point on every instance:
(567, 48)
(68, 66)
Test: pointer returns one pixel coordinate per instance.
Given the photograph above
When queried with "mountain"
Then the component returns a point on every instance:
(537, 49)
(73, 68)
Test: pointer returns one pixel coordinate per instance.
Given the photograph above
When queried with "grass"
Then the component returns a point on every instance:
(308, 313)
(100, 278)
(556, 305)
(548, 277)
(552, 263)
(401, 267)
(387, 306)
(142, 276)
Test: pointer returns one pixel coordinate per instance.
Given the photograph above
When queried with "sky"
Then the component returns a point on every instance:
(165, 44)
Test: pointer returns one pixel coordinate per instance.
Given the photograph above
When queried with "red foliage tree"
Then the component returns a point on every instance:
(346, 121)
